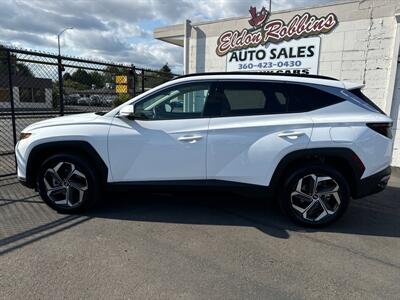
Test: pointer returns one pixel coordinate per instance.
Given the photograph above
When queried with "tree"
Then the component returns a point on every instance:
(166, 70)
(82, 77)
(97, 79)
(23, 70)
(67, 76)
(17, 68)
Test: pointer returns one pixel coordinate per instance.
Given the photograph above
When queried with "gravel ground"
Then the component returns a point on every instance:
(204, 247)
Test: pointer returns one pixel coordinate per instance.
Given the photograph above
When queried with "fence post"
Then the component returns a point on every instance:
(133, 70)
(142, 80)
(11, 89)
(11, 92)
(61, 85)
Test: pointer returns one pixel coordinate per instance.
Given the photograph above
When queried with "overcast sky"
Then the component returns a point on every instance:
(117, 30)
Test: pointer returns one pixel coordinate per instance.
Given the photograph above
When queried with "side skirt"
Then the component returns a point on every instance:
(192, 185)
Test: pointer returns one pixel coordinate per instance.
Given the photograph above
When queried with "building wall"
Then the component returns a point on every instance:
(26, 105)
(396, 119)
(360, 49)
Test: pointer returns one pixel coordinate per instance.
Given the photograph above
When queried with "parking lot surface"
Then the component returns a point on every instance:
(208, 246)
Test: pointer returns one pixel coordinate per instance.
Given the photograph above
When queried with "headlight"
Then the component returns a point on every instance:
(24, 135)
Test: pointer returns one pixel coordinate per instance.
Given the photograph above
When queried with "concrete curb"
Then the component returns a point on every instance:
(395, 171)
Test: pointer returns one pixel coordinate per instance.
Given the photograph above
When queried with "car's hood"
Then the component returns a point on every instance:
(66, 120)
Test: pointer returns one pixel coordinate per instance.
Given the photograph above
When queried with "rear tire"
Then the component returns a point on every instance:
(314, 195)
(67, 183)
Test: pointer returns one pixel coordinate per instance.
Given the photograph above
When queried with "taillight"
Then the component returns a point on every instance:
(382, 128)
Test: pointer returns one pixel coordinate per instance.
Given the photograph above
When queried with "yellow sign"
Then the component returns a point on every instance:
(121, 79)
(121, 89)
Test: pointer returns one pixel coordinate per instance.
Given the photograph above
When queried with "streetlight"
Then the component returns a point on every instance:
(58, 38)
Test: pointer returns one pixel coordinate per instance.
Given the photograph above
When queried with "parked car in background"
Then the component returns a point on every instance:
(84, 100)
(108, 100)
(71, 99)
(310, 142)
(95, 100)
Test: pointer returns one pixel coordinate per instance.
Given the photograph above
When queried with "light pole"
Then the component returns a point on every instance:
(58, 38)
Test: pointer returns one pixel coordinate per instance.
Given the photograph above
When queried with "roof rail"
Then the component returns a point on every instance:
(259, 73)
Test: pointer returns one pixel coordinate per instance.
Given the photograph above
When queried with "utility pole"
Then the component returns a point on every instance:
(58, 38)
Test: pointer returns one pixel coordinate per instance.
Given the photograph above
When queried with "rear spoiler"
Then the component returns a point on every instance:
(352, 85)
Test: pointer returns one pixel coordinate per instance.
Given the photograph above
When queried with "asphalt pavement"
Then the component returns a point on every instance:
(207, 246)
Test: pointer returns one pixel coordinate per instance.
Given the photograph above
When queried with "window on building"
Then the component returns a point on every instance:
(35, 95)
(4, 95)
(38, 95)
(25, 94)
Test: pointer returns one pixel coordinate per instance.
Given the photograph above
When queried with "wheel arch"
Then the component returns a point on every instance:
(82, 148)
(342, 159)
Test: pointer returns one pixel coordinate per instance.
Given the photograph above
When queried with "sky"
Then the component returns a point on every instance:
(116, 30)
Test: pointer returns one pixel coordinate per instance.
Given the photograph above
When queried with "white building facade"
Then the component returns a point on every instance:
(363, 47)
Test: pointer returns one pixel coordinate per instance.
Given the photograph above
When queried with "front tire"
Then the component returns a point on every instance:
(67, 183)
(315, 195)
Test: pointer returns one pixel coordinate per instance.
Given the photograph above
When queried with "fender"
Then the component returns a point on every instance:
(344, 159)
(42, 151)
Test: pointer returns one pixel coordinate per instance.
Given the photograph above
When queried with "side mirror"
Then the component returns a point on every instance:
(127, 111)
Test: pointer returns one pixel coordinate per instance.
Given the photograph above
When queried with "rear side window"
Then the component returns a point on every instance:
(359, 94)
(254, 98)
(306, 98)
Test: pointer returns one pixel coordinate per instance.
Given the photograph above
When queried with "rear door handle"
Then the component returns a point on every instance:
(190, 138)
(291, 134)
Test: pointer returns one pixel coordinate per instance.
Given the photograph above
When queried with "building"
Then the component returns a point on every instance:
(28, 92)
(354, 40)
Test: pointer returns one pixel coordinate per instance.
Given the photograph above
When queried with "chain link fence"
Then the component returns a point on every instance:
(35, 86)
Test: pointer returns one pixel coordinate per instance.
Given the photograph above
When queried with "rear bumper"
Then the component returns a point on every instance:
(373, 184)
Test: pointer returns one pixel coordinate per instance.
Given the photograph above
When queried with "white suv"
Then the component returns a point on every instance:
(310, 141)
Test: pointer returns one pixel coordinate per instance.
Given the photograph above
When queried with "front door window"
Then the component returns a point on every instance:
(181, 102)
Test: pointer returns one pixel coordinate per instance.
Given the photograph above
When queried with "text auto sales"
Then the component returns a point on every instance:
(265, 59)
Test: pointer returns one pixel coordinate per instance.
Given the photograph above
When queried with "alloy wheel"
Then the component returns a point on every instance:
(65, 185)
(315, 197)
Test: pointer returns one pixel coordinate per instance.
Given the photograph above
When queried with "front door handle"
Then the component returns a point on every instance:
(291, 134)
(190, 138)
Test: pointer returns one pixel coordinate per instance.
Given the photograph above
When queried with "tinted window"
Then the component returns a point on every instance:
(180, 102)
(361, 95)
(305, 98)
(242, 98)
(252, 98)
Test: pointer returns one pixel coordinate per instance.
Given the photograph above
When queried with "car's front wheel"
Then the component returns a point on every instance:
(315, 195)
(67, 183)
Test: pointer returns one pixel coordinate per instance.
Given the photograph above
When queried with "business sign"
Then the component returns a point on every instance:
(121, 84)
(295, 56)
(275, 31)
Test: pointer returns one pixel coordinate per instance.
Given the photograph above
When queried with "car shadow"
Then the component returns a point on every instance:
(376, 215)
(27, 219)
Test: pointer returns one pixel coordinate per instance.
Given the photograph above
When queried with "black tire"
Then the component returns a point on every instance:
(86, 183)
(291, 202)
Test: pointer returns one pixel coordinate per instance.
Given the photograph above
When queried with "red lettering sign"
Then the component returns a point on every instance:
(274, 31)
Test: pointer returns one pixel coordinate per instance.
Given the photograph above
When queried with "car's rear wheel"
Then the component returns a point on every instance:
(315, 195)
(67, 183)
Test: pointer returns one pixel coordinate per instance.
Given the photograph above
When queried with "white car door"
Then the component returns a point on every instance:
(167, 138)
(254, 132)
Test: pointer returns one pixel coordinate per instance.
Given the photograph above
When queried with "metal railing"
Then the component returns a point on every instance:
(36, 85)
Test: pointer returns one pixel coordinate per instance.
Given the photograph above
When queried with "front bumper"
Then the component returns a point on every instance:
(373, 184)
